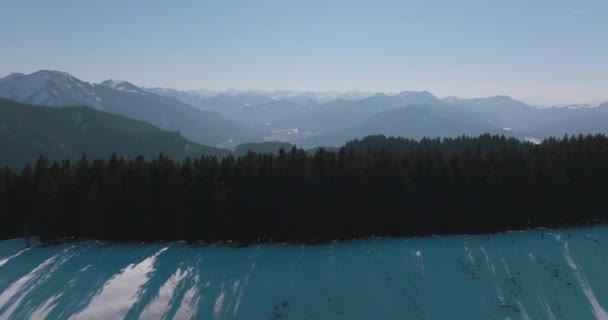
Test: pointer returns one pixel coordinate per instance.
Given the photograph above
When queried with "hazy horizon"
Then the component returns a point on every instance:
(533, 101)
(544, 53)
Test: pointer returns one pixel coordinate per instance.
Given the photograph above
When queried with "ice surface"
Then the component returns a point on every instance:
(522, 275)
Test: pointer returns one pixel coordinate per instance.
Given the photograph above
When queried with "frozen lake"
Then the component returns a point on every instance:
(523, 275)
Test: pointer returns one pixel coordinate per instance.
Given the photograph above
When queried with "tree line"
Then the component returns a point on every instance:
(377, 186)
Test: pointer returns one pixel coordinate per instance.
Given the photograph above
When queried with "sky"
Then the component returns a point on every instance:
(542, 51)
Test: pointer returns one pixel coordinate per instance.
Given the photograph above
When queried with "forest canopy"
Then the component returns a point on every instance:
(376, 186)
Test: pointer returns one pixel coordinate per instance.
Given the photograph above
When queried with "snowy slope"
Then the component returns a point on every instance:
(525, 275)
(51, 88)
(122, 86)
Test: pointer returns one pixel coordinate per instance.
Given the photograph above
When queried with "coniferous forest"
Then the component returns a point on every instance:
(372, 187)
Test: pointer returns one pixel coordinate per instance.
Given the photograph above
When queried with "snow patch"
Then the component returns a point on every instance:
(598, 310)
(120, 292)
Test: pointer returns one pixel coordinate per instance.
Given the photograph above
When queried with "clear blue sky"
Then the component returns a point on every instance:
(550, 49)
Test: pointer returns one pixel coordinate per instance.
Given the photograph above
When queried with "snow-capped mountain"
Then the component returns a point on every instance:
(122, 86)
(217, 118)
(497, 103)
(582, 106)
(51, 88)
(291, 95)
(230, 101)
(58, 89)
(11, 77)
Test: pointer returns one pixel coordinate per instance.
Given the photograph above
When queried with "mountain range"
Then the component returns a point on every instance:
(309, 119)
(410, 114)
(58, 89)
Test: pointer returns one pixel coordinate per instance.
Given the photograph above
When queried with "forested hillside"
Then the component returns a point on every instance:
(29, 131)
(60, 89)
(486, 184)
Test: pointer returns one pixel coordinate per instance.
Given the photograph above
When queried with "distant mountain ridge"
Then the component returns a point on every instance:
(342, 114)
(452, 117)
(235, 104)
(311, 119)
(412, 121)
(250, 96)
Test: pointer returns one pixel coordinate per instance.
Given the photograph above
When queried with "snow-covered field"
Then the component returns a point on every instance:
(523, 275)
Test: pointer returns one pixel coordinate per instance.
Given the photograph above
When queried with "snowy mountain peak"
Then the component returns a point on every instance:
(418, 95)
(410, 93)
(111, 83)
(452, 99)
(48, 87)
(11, 77)
(53, 75)
(122, 86)
(583, 106)
(503, 99)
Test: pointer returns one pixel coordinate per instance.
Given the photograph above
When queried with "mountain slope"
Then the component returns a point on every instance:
(343, 114)
(28, 131)
(225, 102)
(499, 111)
(51, 88)
(55, 88)
(559, 121)
(524, 120)
(414, 122)
(269, 112)
(205, 127)
(10, 78)
(321, 119)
